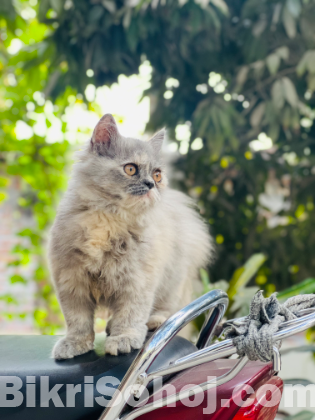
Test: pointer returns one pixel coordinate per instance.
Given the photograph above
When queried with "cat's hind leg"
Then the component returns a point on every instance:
(156, 320)
(168, 302)
(131, 309)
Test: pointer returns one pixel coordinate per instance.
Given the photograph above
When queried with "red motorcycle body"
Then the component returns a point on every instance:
(232, 400)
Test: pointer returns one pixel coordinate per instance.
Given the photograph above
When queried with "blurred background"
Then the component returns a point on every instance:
(233, 81)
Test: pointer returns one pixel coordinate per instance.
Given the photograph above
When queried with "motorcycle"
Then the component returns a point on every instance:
(168, 378)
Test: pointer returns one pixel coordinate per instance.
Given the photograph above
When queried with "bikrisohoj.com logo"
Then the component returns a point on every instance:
(36, 392)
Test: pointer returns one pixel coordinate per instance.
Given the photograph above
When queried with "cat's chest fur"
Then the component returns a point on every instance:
(112, 248)
(109, 242)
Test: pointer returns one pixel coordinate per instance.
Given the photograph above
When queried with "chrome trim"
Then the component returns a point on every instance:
(296, 321)
(276, 360)
(216, 351)
(185, 394)
(207, 331)
(215, 300)
(157, 342)
(304, 323)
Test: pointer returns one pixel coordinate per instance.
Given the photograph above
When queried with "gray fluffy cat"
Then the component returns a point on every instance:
(124, 240)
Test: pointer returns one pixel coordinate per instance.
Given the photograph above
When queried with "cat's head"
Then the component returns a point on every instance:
(124, 172)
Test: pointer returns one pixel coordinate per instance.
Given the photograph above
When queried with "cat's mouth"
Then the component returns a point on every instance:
(140, 191)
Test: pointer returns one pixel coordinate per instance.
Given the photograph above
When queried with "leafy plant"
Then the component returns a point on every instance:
(303, 415)
(238, 78)
(305, 287)
(239, 294)
(33, 167)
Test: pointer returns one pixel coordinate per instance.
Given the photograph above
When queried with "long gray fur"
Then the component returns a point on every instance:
(125, 243)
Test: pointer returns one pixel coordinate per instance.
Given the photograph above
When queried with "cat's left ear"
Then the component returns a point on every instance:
(157, 140)
(106, 131)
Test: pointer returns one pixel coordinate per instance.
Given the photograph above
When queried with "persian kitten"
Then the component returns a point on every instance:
(124, 240)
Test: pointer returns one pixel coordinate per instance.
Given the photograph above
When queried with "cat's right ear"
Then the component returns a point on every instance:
(157, 140)
(105, 132)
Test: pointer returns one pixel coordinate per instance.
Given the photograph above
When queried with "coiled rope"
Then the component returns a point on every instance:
(254, 336)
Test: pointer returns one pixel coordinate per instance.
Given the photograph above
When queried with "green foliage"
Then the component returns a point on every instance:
(241, 68)
(243, 275)
(303, 415)
(236, 288)
(305, 287)
(39, 167)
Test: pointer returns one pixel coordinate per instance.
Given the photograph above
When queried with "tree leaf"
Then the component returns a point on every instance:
(277, 94)
(3, 196)
(311, 82)
(294, 7)
(301, 349)
(273, 63)
(242, 76)
(289, 23)
(305, 287)
(303, 415)
(221, 5)
(259, 27)
(127, 18)
(204, 278)
(95, 14)
(273, 131)
(7, 9)
(286, 117)
(16, 278)
(4, 182)
(290, 92)
(283, 52)
(9, 299)
(307, 63)
(109, 5)
(302, 65)
(242, 300)
(44, 6)
(276, 13)
(243, 275)
(257, 114)
(57, 5)
(311, 61)
(258, 67)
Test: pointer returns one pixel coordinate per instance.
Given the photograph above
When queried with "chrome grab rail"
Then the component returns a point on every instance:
(137, 373)
(198, 389)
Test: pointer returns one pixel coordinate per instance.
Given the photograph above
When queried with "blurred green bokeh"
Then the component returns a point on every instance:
(232, 80)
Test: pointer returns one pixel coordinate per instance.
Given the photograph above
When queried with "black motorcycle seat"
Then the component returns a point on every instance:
(22, 357)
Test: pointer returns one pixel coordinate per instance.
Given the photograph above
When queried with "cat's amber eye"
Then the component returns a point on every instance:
(131, 169)
(157, 176)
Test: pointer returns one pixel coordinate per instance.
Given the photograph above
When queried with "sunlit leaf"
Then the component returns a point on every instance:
(273, 63)
(290, 92)
(289, 23)
(16, 278)
(244, 274)
(305, 287)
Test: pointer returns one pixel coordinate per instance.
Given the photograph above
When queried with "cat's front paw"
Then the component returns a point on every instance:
(67, 348)
(123, 343)
(155, 321)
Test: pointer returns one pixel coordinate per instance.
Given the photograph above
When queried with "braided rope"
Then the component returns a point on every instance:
(254, 337)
